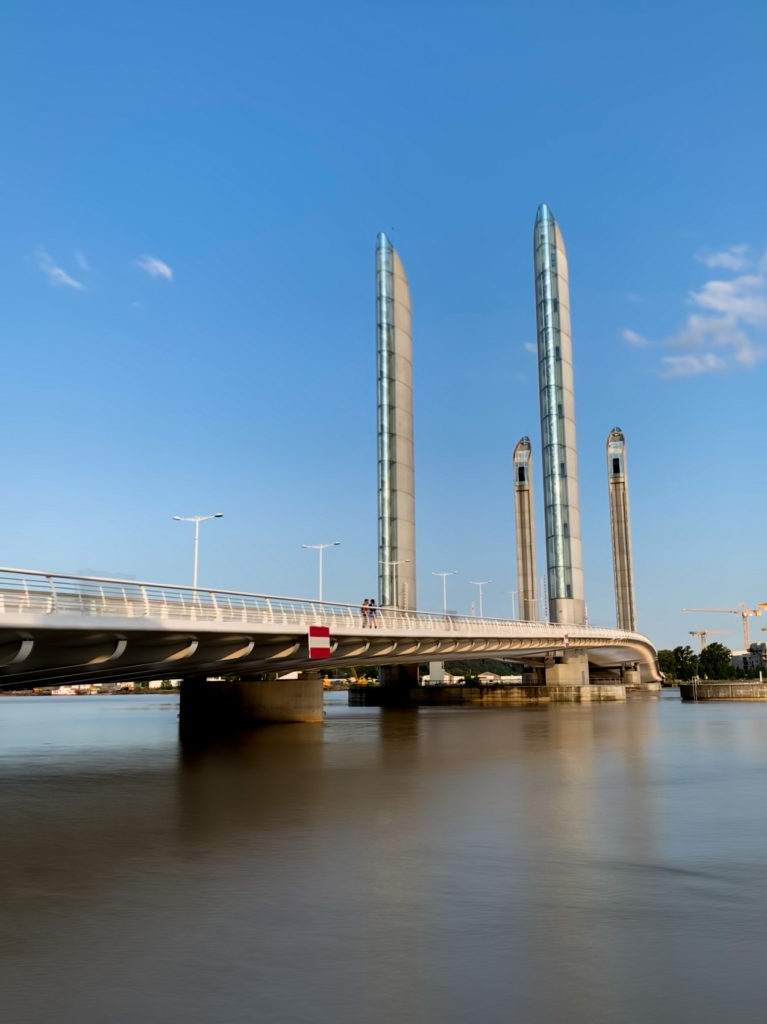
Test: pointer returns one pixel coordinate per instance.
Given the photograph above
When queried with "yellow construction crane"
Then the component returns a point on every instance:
(742, 611)
(703, 633)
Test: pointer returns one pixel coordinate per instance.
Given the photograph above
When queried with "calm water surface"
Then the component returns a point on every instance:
(573, 864)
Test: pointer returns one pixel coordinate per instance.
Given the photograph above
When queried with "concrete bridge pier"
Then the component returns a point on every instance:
(569, 669)
(632, 680)
(567, 679)
(209, 707)
(396, 682)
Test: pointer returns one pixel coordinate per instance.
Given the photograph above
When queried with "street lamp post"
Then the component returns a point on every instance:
(513, 595)
(480, 584)
(319, 548)
(444, 576)
(197, 520)
(393, 566)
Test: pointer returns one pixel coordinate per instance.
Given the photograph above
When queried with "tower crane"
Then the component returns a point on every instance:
(742, 611)
(703, 633)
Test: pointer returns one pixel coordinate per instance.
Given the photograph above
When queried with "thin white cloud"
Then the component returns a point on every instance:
(81, 261)
(56, 276)
(692, 365)
(634, 297)
(706, 332)
(531, 347)
(734, 258)
(743, 298)
(727, 329)
(637, 340)
(154, 267)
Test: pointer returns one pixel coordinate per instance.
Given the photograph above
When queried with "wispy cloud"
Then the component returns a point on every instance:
(692, 365)
(531, 347)
(55, 274)
(743, 298)
(81, 261)
(154, 267)
(637, 340)
(734, 258)
(727, 329)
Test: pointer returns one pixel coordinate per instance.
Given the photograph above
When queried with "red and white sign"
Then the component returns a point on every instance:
(566, 641)
(319, 641)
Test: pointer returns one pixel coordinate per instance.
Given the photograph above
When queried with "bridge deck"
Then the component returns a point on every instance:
(59, 627)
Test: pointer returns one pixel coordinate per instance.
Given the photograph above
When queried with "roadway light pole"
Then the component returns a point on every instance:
(444, 576)
(319, 548)
(197, 520)
(393, 566)
(480, 584)
(513, 595)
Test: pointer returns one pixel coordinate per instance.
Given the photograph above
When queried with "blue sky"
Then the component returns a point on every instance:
(191, 194)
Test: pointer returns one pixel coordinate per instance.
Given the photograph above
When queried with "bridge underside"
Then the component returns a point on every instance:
(39, 655)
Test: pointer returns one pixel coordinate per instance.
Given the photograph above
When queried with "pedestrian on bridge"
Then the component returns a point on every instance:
(372, 613)
(364, 611)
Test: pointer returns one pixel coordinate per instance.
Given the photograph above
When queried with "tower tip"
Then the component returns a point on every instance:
(544, 213)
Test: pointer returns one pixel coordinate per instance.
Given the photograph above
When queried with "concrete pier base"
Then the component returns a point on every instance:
(226, 706)
(572, 669)
(741, 689)
(493, 695)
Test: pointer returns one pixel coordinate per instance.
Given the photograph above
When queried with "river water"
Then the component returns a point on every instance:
(551, 864)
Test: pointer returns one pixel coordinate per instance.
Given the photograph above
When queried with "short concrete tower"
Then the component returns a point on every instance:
(525, 529)
(396, 482)
(557, 401)
(620, 530)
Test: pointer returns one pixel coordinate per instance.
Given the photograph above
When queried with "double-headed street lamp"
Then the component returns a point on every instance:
(393, 566)
(480, 584)
(319, 548)
(444, 576)
(197, 520)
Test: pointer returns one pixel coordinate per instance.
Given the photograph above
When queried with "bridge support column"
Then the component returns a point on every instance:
(226, 706)
(397, 681)
(567, 679)
(632, 680)
(572, 669)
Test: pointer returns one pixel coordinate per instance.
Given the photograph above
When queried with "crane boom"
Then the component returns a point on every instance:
(703, 633)
(734, 611)
(742, 611)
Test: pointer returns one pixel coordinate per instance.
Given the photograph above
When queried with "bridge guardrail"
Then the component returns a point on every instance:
(36, 592)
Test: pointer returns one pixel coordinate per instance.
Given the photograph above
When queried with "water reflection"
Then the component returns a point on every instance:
(538, 864)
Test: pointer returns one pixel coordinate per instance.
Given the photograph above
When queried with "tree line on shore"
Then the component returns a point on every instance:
(713, 662)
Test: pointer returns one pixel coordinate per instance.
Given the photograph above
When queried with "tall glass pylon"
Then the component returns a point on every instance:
(557, 403)
(396, 477)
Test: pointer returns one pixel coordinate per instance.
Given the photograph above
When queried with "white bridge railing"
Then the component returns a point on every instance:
(25, 591)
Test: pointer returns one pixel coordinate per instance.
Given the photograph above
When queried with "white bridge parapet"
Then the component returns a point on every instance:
(57, 626)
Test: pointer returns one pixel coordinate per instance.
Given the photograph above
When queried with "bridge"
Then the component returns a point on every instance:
(61, 628)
